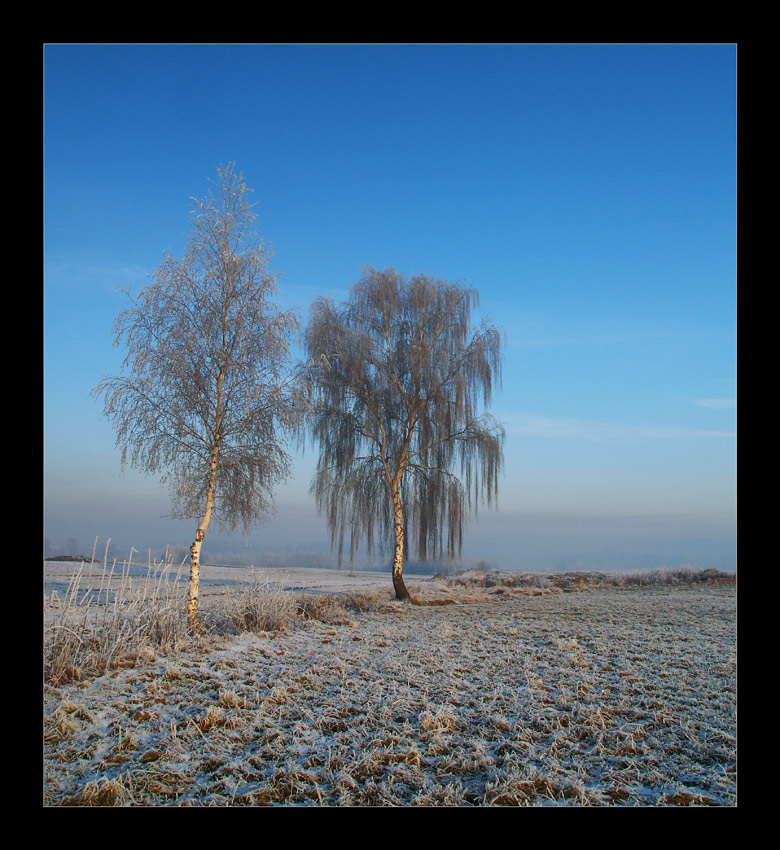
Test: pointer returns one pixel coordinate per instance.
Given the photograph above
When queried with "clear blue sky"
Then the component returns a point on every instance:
(587, 191)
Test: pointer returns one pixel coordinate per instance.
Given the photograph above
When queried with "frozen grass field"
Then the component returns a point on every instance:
(530, 691)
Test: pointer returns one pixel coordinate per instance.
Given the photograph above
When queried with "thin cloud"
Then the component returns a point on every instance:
(717, 403)
(72, 274)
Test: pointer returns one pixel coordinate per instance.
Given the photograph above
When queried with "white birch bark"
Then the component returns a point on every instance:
(194, 588)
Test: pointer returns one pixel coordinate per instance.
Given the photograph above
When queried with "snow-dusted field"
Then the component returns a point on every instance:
(599, 697)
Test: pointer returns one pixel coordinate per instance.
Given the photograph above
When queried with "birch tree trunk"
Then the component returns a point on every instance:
(398, 558)
(194, 590)
(192, 605)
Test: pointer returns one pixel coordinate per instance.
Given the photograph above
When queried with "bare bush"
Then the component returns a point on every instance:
(259, 607)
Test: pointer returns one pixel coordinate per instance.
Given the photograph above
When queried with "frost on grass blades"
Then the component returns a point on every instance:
(498, 690)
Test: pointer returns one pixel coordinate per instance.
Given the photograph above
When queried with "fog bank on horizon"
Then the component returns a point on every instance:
(504, 540)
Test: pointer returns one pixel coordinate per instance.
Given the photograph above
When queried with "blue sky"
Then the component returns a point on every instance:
(587, 191)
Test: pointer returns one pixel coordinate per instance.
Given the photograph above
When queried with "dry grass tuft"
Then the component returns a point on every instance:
(368, 600)
(102, 622)
(101, 792)
(324, 608)
(259, 607)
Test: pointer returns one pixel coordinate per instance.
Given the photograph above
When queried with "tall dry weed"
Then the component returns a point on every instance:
(104, 621)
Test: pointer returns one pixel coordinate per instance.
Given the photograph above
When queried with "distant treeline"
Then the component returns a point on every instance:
(76, 558)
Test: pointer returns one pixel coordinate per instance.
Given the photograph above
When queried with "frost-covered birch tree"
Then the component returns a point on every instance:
(204, 398)
(398, 381)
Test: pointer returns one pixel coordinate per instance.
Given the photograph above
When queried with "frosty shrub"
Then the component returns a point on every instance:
(259, 607)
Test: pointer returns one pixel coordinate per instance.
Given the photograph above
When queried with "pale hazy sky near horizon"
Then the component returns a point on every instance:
(588, 192)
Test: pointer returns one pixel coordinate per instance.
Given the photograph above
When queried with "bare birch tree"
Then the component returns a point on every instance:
(206, 400)
(404, 453)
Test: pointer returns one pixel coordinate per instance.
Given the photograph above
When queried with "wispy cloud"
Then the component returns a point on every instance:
(530, 425)
(73, 274)
(716, 403)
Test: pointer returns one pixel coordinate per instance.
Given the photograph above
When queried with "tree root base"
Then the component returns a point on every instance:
(410, 600)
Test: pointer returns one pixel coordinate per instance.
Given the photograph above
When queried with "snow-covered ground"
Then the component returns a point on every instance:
(58, 574)
(604, 696)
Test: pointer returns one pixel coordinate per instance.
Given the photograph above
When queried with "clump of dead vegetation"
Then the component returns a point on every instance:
(102, 622)
(498, 581)
(676, 576)
(105, 621)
